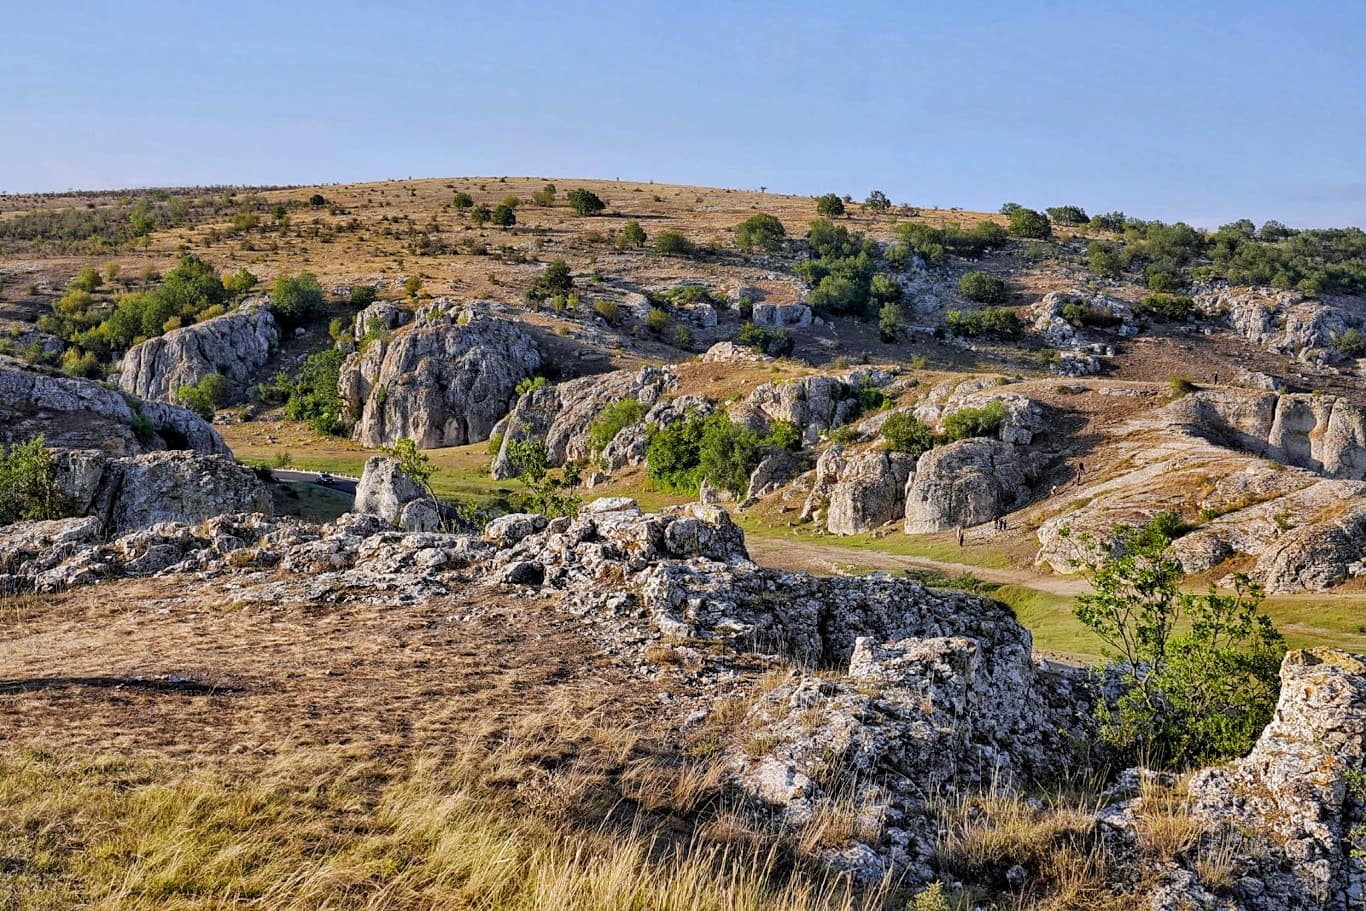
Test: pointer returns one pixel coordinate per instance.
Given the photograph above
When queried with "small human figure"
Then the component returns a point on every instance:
(1081, 470)
(960, 535)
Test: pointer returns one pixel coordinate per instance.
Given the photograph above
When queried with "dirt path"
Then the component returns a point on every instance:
(789, 554)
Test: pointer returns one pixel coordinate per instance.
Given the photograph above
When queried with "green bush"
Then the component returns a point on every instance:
(362, 295)
(933, 245)
(586, 202)
(88, 279)
(983, 421)
(877, 201)
(683, 453)
(481, 215)
(1104, 260)
(462, 201)
(544, 197)
(993, 321)
(891, 322)
(1068, 215)
(1083, 314)
(631, 236)
(983, 288)
(613, 419)
(205, 397)
(1024, 222)
(657, 320)
(829, 205)
(1172, 308)
(1189, 698)
(313, 395)
(504, 216)
(556, 279)
(777, 343)
(784, 435)
(761, 232)
(608, 310)
(296, 299)
(904, 432)
(1350, 343)
(531, 384)
(543, 492)
(672, 243)
(28, 484)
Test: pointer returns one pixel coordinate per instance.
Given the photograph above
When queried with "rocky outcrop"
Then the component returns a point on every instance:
(870, 491)
(1316, 556)
(816, 404)
(1298, 799)
(444, 381)
(388, 493)
(377, 319)
(1058, 331)
(965, 483)
(1281, 321)
(1323, 433)
(562, 416)
(1024, 418)
(781, 316)
(74, 413)
(234, 345)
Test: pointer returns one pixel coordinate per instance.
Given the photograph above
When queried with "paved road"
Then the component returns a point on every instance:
(339, 483)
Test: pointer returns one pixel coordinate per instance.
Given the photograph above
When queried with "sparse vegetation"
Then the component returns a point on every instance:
(993, 321)
(28, 484)
(585, 202)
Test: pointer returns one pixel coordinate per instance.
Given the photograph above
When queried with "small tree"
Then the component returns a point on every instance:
(413, 462)
(556, 279)
(504, 216)
(544, 493)
(631, 235)
(1068, 215)
(983, 288)
(545, 196)
(296, 299)
(1024, 222)
(240, 282)
(1188, 698)
(904, 432)
(481, 215)
(760, 232)
(877, 201)
(829, 205)
(88, 279)
(462, 202)
(412, 286)
(672, 243)
(891, 322)
(28, 484)
(362, 295)
(585, 202)
(1350, 343)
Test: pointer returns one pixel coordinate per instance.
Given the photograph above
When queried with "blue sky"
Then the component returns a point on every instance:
(1203, 111)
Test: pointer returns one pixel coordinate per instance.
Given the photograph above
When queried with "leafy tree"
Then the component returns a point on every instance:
(585, 202)
(462, 201)
(1172, 308)
(784, 435)
(317, 200)
(543, 492)
(993, 321)
(28, 484)
(904, 432)
(296, 299)
(1024, 222)
(760, 232)
(1068, 215)
(88, 279)
(891, 322)
(313, 395)
(412, 286)
(983, 288)
(1188, 698)
(362, 295)
(1010, 208)
(672, 243)
(877, 201)
(1109, 221)
(1104, 260)
(481, 215)
(829, 206)
(504, 216)
(631, 235)
(728, 453)
(933, 245)
(556, 279)
(413, 462)
(240, 282)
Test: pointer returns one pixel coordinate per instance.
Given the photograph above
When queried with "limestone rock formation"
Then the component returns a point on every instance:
(965, 483)
(377, 318)
(816, 403)
(870, 491)
(74, 413)
(781, 316)
(1024, 417)
(1281, 321)
(234, 345)
(562, 416)
(446, 380)
(388, 493)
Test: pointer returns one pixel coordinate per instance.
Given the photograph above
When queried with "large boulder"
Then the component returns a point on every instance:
(387, 492)
(234, 345)
(444, 381)
(1316, 556)
(561, 416)
(964, 483)
(74, 413)
(871, 491)
(1297, 797)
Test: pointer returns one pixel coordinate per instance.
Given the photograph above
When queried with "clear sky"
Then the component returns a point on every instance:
(1196, 110)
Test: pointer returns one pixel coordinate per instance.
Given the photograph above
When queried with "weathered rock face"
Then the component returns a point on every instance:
(1316, 556)
(444, 381)
(82, 414)
(1024, 417)
(125, 494)
(561, 416)
(871, 491)
(964, 483)
(389, 494)
(1292, 797)
(379, 317)
(1322, 433)
(815, 404)
(1280, 321)
(234, 346)
(781, 316)
(1050, 323)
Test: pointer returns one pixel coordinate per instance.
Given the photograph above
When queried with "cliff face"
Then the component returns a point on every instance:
(234, 346)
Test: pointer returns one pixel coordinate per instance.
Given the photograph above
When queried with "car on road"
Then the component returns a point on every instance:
(325, 477)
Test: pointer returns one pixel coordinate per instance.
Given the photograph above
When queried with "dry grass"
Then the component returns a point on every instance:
(1166, 827)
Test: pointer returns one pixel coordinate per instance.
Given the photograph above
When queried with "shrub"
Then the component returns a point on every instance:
(608, 310)
(775, 344)
(1172, 308)
(983, 288)
(891, 322)
(240, 282)
(556, 279)
(933, 245)
(504, 216)
(657, 320)
(672, 243)
(1024, 222)
(462, 201)
(544, 197)
(481, 215)
(1083, 314)
(531, 384)
(1179, 386)
(904, 432)
(317, 200)
(28, 484)
(413, 462)
(543, 492)
(81, 363)
(992, 321)
(760, 232)
(877, 201)
(983, 421)
(1350, 343)
(784, 435)
(362, 295)
(412, 286)
(631, 235)
(1104, 260)
(586, 202)
(313, 395)
(296, 299)
(673, 456)
(682, 337)
(829, 205)
(728, 454)
(1068, 215)
(613, 419)
(88, 279)
(1189, 698)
